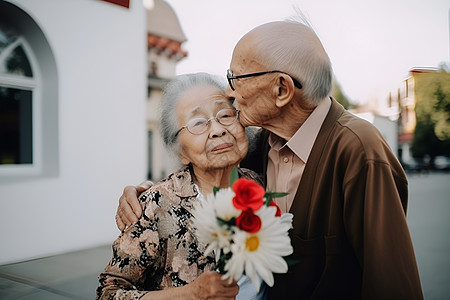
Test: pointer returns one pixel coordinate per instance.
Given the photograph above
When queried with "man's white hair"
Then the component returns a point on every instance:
(293, 47)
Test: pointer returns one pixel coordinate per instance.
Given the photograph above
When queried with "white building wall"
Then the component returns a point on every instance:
(389, 130)
(164, 162)
(100, 53)
(387, 127)
(406, 153)
(166, 65)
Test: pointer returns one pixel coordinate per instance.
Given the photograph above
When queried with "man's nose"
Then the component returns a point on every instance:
(229, 92)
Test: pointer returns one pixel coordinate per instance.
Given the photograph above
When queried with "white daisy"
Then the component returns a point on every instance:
(208, 229)
(223, 205)
(261, 254)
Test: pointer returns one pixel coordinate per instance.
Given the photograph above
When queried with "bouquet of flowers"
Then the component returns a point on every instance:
(246, 230)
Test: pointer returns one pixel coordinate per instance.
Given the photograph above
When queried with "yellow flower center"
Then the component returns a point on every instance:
(252, 243)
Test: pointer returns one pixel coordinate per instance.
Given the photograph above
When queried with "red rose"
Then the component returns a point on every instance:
(248, 221)
(278, 213)
(249, 194)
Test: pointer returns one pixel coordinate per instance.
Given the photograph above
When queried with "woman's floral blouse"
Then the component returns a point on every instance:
(160, 251)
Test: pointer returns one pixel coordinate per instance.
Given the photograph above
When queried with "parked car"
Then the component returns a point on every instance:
(414, 166)
(442, 163)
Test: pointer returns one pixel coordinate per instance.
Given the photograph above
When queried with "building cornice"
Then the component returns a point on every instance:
(164, 45)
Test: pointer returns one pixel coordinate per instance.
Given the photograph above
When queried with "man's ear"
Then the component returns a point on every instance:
(284, 90)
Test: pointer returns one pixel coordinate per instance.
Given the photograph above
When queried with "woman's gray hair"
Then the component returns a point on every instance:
(172, 93)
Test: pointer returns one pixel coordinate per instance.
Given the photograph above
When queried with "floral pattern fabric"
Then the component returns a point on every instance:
(160, 251)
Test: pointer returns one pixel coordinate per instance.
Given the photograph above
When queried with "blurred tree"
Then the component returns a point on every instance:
(432, 131)
(445, 66)
(340, 97)
(425, 141)
(441, 117)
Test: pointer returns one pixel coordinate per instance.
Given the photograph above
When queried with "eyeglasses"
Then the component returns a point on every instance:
(231, 77)
(199, 125)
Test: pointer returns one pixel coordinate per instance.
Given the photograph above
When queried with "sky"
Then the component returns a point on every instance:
(372, 44)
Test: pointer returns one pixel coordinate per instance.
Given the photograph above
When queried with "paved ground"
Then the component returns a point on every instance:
(429, 224)
(67, 276)
(74, 275)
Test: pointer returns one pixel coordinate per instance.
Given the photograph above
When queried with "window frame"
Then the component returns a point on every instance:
(32, 84)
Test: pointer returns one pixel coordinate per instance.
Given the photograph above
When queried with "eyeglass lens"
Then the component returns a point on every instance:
(199, 125)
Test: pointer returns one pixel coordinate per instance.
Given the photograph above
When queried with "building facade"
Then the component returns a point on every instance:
(407, 101)
(164, 50)
(73, 121)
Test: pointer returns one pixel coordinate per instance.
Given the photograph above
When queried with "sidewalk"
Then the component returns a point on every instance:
(66, 276)
(74, 275)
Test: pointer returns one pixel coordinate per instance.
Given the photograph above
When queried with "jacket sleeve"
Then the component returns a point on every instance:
(375, 220)
(136, 256)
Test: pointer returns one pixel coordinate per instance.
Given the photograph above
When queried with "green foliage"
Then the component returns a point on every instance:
(234, 176)
(432, 132)
(270, 195)
(441, 117)
(224, 257)
(229, 223)
(340, 97)
(425, 141)
(215, 189)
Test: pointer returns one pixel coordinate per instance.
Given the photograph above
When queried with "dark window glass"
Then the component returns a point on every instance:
(17, 63)
(16, 134)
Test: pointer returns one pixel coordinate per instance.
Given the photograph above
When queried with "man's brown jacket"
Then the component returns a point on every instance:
(350, 236)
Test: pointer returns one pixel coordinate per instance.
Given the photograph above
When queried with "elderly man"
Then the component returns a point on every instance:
(347, 191)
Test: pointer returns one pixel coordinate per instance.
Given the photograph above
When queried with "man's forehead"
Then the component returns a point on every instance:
(245, 51)
(244, 62)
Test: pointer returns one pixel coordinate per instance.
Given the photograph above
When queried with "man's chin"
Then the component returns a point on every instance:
(245, 121)
(250, 123)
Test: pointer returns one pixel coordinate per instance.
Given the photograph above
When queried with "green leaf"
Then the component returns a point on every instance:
(215, 189)
(270, 195)
(275, 194)
(291, 262)
(234, 176)
(223, 222)
(223, 261)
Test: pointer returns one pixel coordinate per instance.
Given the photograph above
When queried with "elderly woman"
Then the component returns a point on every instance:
(159, 257)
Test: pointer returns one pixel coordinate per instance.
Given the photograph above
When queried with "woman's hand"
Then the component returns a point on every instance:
(129, 209)
(210, 285)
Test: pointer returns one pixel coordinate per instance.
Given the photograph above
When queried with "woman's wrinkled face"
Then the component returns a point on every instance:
(220, 145)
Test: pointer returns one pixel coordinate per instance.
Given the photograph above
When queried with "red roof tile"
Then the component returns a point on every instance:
(164, 44)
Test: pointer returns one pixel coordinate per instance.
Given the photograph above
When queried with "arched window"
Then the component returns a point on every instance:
(28, 98)
(18, 134)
